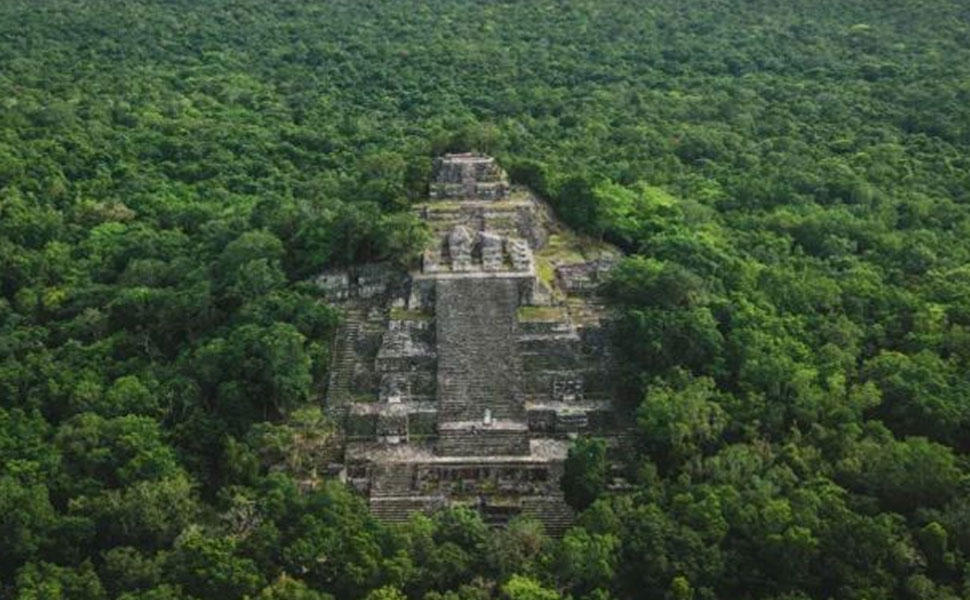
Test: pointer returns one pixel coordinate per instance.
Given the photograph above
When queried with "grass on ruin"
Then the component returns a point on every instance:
(546, 274)
(439, 205)
(541, 314)
(516, 198)
(568, 247)
(545, 271)
(403, 314)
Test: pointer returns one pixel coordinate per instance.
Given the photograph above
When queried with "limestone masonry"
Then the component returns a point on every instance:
(463, 382)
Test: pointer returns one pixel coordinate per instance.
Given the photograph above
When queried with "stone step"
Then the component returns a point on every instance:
(459, 411)
(552, 511)
(394, 479)
(397, 509)
(344, 358)
(483, 442)
(499, 515)
(478, 367)
(573, 421)
(471, 406)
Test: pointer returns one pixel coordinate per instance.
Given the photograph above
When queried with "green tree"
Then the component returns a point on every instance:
(587, 561)
(679, 423)
(519, 587)
(522, 547)
(36, 581)
(585, 472)
(127, 569)
(287, 588)
(209, 567)
(905, 475)
(28, 521)
(385, 593)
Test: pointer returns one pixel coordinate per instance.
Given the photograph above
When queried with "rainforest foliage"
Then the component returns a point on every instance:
(790, 182)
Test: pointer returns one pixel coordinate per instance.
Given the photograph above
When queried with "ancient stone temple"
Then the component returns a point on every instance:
(463, 382)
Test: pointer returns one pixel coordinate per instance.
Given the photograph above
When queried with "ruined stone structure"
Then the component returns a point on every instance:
(463, 382)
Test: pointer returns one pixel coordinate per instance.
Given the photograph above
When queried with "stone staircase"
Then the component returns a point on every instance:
(498, 515)
(586, 311)
(442, 219)
(483, 442)
(343, 360)
(397, 509)
(373, 324)
(478, 366)
(552, 511)
(464, 396)
(392, 479)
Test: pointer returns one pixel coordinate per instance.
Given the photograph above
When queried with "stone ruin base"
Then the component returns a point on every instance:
(400, 481)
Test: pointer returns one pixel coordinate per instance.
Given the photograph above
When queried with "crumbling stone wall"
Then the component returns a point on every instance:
(468, 177)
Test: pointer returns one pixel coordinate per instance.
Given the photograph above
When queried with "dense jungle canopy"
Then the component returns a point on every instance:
(790, 182)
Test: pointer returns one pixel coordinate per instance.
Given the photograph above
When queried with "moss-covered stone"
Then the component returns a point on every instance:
(543, 314)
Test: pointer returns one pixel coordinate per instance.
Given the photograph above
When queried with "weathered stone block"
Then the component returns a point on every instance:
(468, 177)
(491, 248)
